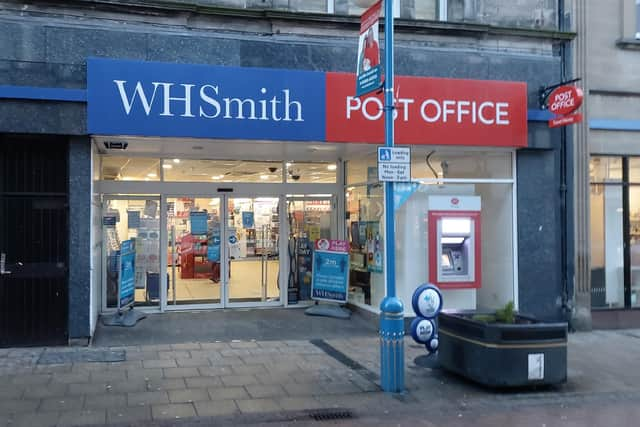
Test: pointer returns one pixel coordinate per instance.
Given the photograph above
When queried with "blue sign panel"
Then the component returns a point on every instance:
(198, 223)
(133, 219)
(330, 276)
(213, 249)
(127, 274)
(162, 99)
(247, 219)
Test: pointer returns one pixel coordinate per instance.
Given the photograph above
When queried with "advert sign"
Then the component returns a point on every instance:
(330, 271)
(431, 111)
(127, 289)
(368, 68)
(563, 101)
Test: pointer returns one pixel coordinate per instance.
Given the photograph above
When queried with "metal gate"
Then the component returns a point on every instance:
(33, 241)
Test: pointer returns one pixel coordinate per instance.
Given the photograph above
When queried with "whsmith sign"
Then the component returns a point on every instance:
(201, 101)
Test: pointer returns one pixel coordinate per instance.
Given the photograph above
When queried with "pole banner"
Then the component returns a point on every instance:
(368, 68)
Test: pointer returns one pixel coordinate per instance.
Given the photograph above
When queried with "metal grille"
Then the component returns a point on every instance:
(34, 239)
(330, 415)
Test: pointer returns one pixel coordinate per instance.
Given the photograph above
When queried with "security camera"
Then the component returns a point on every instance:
(295, 177)
(272, 169)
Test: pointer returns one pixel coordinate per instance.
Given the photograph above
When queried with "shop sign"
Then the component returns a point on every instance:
(369, 70)
(431, 111)
(330, 270)
(563, 101)
(202, 101)
(161, 99)
(127, 274)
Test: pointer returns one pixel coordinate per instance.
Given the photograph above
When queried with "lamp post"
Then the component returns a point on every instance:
(391, 308)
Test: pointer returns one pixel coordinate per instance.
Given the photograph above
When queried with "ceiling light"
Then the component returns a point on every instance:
(217, 176)
(176, 160)
(289, 164)
(264, 177)
(146, 179)
(152, 175)
(332, 167)
(166, 166)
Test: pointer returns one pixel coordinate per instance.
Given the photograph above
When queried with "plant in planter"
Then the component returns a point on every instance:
(503, 348)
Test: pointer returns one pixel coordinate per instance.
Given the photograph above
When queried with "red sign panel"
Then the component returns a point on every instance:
(565, 99)
(430, 111)
(565, 120)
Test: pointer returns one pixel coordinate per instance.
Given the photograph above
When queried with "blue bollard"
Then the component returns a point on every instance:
(392, 345)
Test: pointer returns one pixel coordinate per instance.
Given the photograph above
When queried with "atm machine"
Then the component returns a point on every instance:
(455, 242)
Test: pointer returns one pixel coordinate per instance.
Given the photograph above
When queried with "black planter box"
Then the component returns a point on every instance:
(525, 353)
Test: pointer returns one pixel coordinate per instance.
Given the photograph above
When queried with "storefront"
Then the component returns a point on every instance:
(225, 175)
(283, 158)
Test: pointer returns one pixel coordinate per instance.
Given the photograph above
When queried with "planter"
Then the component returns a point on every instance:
(526, 353)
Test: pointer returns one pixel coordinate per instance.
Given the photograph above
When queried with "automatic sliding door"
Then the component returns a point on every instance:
(253, 229)
(194, 253)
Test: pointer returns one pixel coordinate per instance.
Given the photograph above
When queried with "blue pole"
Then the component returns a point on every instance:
(391, 308)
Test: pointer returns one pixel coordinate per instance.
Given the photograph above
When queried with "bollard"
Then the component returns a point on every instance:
(392, 345)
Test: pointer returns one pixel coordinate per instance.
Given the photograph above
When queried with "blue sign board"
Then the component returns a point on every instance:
(133, 218)
(127, 274)
(198, 223)
(330, 276)
(213, 249)
(163, 99)
(247, 220)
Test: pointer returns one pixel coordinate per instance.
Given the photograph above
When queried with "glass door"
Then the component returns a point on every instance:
(134, 218)
(194, 256)
(310, 218)
(252, 233)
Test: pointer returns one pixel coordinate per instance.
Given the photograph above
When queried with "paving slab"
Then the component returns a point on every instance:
(260, 391)
(216, 408)
(127, 415)
(238, 380)
(166, 384)
(63, 403)
(83, 418)
(203, 382)
(147, 398)
(173, 411)
(258, 405)
(181, 372)
(190, 395)
(105, 401)
(224, 393)
(10, 406)
(39, 419)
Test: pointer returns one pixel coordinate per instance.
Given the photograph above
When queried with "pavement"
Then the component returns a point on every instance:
(329, 377)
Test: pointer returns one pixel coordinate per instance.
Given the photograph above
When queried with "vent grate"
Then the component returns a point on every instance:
(332, 415)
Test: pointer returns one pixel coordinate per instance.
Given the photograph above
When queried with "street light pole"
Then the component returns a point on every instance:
(391, 308)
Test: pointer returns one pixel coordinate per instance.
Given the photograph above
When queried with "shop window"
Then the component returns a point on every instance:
(615, 231)
(130, 169)
(316, 173)
(188, 170)
(365, 230)
(637, 36)
(538, 14)
(606, 169)
(431, 163)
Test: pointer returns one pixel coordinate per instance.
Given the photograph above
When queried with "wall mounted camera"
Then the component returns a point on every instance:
(116, 145)
(295, 177)
(272, 169)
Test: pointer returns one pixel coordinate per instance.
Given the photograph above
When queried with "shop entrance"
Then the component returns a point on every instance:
(221, 251)
(234, 265)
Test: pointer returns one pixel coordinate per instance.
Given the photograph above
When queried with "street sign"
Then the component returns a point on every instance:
(394, 164)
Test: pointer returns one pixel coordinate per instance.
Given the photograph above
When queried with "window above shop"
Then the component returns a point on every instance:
(118, 168)
(537, 14)
(605, 169)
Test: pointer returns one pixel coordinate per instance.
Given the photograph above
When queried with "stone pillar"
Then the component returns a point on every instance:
(581, 316)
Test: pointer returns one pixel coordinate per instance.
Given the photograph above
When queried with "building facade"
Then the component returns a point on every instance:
(222, 139)
(607, 163)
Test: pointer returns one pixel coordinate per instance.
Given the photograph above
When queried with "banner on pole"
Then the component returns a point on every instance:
(369, 70)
